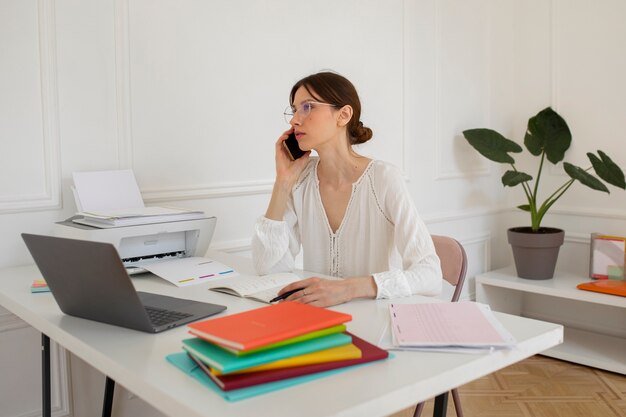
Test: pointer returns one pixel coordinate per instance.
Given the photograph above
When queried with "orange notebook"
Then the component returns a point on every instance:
(607, 286)
(262, 326)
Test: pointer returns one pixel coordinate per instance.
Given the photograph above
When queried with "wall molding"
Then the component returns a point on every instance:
(50, 198)
(589, 212)
(404, 146)
(460, 214)
(233, 246)
(599, 213)
(226, 189)
(123, 109)
(578, 238)
(554, 169)
(125, 129)
(457, 215)
(59, 371)
(217, 190)
(554, 39)
(440, 173)
(483, 240)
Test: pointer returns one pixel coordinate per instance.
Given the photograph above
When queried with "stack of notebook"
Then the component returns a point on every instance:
(39, 285)
(269, 348)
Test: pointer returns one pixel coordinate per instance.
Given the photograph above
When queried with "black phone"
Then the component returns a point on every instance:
(292, 148)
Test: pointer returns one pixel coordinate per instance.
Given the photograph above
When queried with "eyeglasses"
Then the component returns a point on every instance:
(303, 109)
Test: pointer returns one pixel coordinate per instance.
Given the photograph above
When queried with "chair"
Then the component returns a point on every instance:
(453, 267)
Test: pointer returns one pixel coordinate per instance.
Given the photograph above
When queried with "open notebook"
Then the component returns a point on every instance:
(262, 288)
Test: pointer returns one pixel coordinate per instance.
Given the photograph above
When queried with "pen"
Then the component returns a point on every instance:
(285, 295)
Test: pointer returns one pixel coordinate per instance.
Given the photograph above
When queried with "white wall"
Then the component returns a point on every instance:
(189, 94)
(569, 58)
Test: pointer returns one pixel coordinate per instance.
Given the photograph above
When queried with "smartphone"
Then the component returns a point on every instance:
(292, 148)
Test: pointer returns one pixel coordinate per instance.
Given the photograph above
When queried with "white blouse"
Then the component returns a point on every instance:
(381, 235)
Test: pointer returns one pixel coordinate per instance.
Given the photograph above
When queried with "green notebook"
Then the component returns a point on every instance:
(226, 362)
(329, 330)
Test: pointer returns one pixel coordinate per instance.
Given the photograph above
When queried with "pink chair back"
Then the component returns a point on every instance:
(453, 262)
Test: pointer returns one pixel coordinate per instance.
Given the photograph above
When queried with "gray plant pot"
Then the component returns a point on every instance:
(535, 253)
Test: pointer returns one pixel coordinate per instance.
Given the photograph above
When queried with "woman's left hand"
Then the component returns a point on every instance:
(322, 292)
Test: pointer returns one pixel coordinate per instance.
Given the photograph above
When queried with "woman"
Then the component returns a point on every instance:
(353, 216)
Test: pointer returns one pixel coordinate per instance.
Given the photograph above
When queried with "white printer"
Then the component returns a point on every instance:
(144, 243)
(140, 234)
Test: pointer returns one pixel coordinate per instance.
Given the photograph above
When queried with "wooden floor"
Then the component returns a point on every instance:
(541, 387)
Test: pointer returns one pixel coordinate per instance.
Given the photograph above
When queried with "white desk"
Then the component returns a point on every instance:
(137, 360)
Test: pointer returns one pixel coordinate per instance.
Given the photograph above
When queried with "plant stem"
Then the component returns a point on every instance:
(551, 200)
(524, 185)
(543, 157)
(563, 187)
(558, 191)
(535, 216)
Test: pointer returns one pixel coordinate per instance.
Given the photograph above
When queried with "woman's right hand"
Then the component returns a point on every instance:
(288, 171)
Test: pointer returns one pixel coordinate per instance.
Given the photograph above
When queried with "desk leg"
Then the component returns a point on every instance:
(107, 404)
(46, 408)
(441, 405)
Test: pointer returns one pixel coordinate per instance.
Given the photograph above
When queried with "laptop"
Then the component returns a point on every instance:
(88, 280)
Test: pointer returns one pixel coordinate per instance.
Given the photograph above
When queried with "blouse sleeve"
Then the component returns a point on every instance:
(275, 244)
(421, 270)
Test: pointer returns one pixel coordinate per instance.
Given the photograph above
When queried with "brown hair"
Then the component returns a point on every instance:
(328, 87)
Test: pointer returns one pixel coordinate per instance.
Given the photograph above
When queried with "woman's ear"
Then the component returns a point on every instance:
(344, 115)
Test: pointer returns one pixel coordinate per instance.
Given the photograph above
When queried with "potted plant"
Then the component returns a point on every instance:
(535, 248)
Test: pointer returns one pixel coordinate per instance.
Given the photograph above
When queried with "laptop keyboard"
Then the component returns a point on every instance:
(159, 317)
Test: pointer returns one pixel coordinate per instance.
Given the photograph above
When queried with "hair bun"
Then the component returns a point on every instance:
(360, 134)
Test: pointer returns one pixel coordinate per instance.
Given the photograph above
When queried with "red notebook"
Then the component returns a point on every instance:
(607, 286)
(259, 327)
(369, 352)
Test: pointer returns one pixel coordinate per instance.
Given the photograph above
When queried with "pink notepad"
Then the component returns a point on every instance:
(447, 324)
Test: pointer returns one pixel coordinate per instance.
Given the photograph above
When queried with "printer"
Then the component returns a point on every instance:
(140, 244)
(140, 234)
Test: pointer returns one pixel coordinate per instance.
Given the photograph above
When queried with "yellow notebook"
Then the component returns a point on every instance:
(338, 353)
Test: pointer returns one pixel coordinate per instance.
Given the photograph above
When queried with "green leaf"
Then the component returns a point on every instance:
(547, 132)
(492, 145)
(525, 207)
(512, 178)
(607, 169)
(584, 177)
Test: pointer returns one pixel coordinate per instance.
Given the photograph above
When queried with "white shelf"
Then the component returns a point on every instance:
(598, 345)
(591, 349)
(563, 285)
